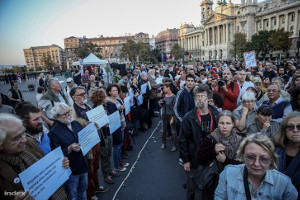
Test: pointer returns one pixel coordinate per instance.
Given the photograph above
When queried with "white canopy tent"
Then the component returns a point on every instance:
(93, 60)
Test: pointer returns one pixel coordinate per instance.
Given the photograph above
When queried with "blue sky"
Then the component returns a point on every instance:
(27, 23)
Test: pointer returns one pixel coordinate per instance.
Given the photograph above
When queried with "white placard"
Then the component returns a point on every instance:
(127, 105)
(45, 176)
(98, 115)
(114, 121)
(88, 137)
(250, 59)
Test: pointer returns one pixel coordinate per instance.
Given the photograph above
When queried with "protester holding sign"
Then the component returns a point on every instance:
(79, 110)
(98, 99)
(114, 104)
(65, 134)
(14, 159)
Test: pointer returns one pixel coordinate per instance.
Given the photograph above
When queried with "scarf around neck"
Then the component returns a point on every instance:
(22, 160)
(231, 142)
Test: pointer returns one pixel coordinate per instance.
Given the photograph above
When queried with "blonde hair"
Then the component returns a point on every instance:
(264, 142)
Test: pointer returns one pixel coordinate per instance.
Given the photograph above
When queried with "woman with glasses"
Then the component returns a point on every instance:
(244, 115)
(224, 151)
(287, 141)
(257, 178)
(263, 122)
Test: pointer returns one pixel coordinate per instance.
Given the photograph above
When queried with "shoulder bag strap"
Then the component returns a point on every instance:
(245, 177)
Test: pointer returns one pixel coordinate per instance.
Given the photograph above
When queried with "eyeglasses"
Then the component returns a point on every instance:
(252, 159)
(201, 96)
(272, 91)
(81, 95)
(66, 113)
(292, 127)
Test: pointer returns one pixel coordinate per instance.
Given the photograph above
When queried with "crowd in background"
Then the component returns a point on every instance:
(246, 110)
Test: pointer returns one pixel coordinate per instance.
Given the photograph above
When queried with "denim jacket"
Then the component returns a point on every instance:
(274, 186)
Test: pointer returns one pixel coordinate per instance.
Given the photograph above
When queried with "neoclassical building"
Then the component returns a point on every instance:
(212, 40)
(34, 56)
(110, 46)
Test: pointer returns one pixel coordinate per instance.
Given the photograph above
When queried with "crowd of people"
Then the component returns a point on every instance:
(244, 119)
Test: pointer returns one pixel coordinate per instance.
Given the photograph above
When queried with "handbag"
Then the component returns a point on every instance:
(205, 175)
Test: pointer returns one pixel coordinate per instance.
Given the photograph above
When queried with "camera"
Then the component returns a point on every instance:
(222, 82)
(162, 102)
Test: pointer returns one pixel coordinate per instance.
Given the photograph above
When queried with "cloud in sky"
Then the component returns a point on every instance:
(26, 23)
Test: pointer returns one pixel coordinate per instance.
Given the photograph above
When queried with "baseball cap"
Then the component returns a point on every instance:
(69, 80)
(257, 80)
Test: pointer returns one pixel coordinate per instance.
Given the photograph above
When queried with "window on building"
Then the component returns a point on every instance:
(283, 19)
(292, 30)
(274, 21)
(267, 23)
(293, 17)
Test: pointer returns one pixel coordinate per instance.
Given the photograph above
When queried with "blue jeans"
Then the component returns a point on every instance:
(117, 154)
(76, 186)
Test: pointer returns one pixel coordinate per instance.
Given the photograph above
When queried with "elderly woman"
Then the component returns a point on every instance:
(263, 123)
(244, 115)
(256, 179)
(225, 149)
(287, 141)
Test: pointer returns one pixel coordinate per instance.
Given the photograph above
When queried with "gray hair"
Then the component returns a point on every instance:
(225, 113)
(278, 78)
(143, 73)
(248, 96)
(51, 81)
(278, 86)
(56, 110)
(263, 141)
(5, 121)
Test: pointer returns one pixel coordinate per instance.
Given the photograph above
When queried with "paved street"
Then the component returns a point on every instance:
(153, 174)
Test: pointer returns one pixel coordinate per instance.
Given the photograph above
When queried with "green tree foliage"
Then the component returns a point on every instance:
(239, 45)
(86, 48)
(131, 51)
(260, 44)
(177, 51)
(48, 63)
(280, 41)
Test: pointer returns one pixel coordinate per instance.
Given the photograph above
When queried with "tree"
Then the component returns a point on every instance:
(156, 56)
(129, 51)
(238, 44)
(280, 41)
(86, 48)
(48, 63)
(260, 44)
(176, 51)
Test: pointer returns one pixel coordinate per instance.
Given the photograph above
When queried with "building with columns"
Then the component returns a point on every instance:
(110, 47)
(165, 40)
(212, 39)
(34, 56)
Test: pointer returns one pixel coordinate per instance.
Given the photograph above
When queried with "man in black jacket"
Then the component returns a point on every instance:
(14, 94)
(196, 125)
